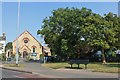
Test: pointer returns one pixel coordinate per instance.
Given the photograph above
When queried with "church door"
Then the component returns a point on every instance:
(25, 54)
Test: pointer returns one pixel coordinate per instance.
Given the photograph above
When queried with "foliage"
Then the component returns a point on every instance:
(3, 57)
(8, 46)
(28, 58)
(0, 56)
(94, 67)
(73, 31)
(12, 56)
(41, 56)
(1, 46)
(19, 54)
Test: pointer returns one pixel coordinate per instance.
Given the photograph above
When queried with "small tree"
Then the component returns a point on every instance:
(8, 46)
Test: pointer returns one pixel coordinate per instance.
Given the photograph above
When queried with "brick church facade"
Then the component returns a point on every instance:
(27, 44)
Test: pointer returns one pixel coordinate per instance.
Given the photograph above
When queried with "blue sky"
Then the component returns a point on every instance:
(33, 13)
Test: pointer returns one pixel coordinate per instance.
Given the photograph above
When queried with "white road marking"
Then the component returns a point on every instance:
(18, 76)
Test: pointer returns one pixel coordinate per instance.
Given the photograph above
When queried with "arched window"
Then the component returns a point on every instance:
(33, 49)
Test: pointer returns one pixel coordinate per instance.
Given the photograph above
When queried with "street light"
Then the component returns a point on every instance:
(17, 48)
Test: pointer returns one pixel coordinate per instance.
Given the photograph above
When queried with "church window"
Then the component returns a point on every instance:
(33, 49)
(25, 41)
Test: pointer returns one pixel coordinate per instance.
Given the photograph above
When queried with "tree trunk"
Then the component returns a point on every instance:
(103, 57)
(78, 53)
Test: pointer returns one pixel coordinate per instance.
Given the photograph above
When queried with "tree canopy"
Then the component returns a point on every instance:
(8, 46)
(73, 31)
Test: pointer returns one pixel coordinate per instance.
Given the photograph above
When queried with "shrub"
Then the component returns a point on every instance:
(3, 57)
(27, 58)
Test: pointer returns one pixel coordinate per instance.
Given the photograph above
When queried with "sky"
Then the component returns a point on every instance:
(33, 13)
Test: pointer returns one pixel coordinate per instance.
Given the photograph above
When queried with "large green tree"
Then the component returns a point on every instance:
(104, 33)
(62, 31)
(65, 29)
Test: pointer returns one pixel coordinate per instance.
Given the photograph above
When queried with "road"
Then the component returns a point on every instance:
(45, 72)
(15, 74)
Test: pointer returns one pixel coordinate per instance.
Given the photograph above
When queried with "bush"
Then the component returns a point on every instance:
(0, 56)
(27, 58)
(41, 56)
(3, 56)
(13, 57)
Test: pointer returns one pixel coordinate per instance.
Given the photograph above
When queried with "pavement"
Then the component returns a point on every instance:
(37, 69)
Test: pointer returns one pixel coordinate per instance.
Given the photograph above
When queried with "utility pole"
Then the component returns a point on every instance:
(18, 23)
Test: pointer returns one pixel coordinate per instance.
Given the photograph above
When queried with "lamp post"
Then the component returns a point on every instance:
(17, 48)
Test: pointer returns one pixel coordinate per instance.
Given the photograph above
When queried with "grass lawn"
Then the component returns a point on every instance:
(95, 67)
(13, 65)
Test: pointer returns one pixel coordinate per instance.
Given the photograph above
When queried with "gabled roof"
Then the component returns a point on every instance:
(28, 33)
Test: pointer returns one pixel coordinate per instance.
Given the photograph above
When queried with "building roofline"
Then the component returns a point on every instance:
(28, 33)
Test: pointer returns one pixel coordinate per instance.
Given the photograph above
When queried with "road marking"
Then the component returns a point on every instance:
(45, 76)
(35, 73)
(18, 76)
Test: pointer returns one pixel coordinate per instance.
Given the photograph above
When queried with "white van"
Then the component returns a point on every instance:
(33, 56)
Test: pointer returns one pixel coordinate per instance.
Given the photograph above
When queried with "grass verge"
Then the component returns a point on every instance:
(95, 67)
(13, 65)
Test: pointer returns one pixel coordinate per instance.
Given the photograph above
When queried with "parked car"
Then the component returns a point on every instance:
(33, 57)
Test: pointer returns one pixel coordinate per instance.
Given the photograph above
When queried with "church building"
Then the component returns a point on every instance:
(27, 44)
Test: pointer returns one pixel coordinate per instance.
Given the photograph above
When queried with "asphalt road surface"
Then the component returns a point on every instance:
(15, 74)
